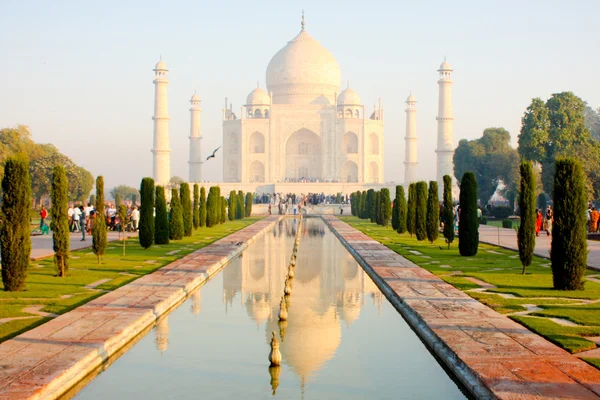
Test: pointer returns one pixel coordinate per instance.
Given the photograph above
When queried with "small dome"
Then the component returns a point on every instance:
(258, 96)
(160, 66)
(411, 99)
(195, 97)
(349, 96)
(445, 66)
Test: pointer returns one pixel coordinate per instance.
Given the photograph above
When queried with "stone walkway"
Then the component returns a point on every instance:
(41, 245)
(508, 238)
(47, 361)
(492, 355)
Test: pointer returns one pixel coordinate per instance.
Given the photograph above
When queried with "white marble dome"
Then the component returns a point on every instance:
(258, 96)
(160, 65)
(195, 97)
(302, 71)
(445, 66)
(411, 99)
(349, 97)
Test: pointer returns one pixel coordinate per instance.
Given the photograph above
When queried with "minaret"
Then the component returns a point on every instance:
(162, 153)
(410, 141)
(445, 145)
(195, 137)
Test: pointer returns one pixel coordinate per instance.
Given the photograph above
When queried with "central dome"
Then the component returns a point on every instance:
(303, 72)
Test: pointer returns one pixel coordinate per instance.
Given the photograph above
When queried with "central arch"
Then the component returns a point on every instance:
(303, 155)
(349, 172)
(257, 172)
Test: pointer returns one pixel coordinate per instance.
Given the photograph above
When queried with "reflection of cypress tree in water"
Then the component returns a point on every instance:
(274, 372)
(162, 335)
(196, 302)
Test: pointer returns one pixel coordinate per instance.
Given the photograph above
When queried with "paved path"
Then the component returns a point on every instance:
(508, 238)
(47, 361)
(41, 245)
(492, 355)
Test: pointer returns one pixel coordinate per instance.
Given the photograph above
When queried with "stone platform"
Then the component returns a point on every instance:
(493, 356)
(47, 361)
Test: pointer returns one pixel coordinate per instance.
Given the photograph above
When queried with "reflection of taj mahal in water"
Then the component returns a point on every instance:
(328, 289)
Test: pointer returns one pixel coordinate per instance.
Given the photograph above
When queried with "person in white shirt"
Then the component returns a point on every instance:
(135, 218)
(76, 217)
(70, 215)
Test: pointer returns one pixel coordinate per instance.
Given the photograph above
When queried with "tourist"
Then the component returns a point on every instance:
(70, 216)
(539, 221)
(295, 209)
(269, 208)
(135, 218)
(90, 221)
(76, 218)
(594, 217)
(549, 219)
(43, 216)
(83, 219)
(111, 214)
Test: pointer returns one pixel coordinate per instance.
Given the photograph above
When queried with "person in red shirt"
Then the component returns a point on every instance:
(43, 216)
(539, 221)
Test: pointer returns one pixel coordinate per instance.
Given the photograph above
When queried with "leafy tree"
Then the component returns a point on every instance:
(202, 207)
(468, 222)
(534, 132)
(402, 209)
(448, 211)
(223, 210)
(411, 212)
(421, 211)
(542, 201)
(176, 228)
(371, 211)
(569, 237)
(146, 228)
(161, 222)
(174, 183)
(213, 201)
(385, 208)
(526, 233)
(433, 212)
(240, 211)
(118, 200)
(249, 201)
(232, 205)
(491, 159)
(15, 242)
(186, 208)
(195, 207)
(126, 192)
(99, 234)
(61, 240)
(592, 120)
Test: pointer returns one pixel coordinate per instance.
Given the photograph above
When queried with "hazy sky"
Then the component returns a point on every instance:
(80, 73)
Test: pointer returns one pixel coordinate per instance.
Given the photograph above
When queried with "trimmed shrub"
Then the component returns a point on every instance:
(15, 239)
(377, 207)
(395, 210)
(176, 228)
(223, 210)
(411, 213)
(195, 207)
(542, 201)
(161, 222)
(186, 208)
(213, 207)
(421, 211)
(249, 200)
(468, 222)
(433, 212)
(202, 207)
(99, 234)
(507, 223)
(363, 213)
(448, 211)
(402, 209)
(526, 233)
(232, 205)
(146, 229)
(569, 237)
(385, 207)
(370, 209)
(483, 221)
(240, 211)
(61, 240)
(501, 212)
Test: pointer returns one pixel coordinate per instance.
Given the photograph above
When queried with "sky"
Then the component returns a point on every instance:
(79, 74)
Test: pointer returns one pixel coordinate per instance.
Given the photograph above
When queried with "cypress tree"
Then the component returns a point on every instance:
(421, 211)
(377, 212)
(526, 233)
(411, 209)
(186, 208)
(195, 208)
(99, 234)
(371, 205)
(249, 201)
(212, 208)
(233, 205)
(161, 222)
(15, 240)
(223, 210)
(118, 200)
(61, 240)
(93, 200)
(240, 211)
(176, 228)
(395, 209)
(363, 213)
(569, 237)
(146, 229)
(433, 212)
(202, 207)
(448, 211)
(385, 208)
(401, 200)
(468, 223)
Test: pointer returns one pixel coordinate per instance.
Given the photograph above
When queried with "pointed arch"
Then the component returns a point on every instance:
(350, 143)
(374, 143)
(257, 172)
(349, 171)
(303, 155)
(373, 172)
(257, 143)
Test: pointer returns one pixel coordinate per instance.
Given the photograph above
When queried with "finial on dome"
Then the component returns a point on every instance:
(348, 84)
(303, 24)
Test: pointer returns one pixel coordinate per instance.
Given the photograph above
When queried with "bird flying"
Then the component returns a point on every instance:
(213, 153)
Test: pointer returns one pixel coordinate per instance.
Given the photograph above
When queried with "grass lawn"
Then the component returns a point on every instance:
(502, 268)
(59, 295)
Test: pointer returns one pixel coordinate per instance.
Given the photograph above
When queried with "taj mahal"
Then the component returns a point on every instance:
(303, 130)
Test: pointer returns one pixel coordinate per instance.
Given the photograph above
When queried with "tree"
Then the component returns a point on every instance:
(99, 235)
(161, 222)
(176, 228)
(411, 212)
(386, 208)
(223, 210)
(542, 201)
(202, 207)
(526, 233)
(569, 237)
(186, 208)
(126, 192)
(592, 120)
(93, 199)
(402, 210)
(249, 201)
(240, 211)
(212, 207)
(377, 212)
(118, 200)
(421, 211)
(174, 183)
(433, 212)
(146, 229)
(232, 205)
(468, 222)
(371, 205)
(122, 211)
(15, 242)
(448, 211)
(195, 207)
(363, 205)
(61, 240)
(395, 209)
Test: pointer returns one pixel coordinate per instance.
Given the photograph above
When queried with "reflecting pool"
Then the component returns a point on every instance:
(342, 339)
